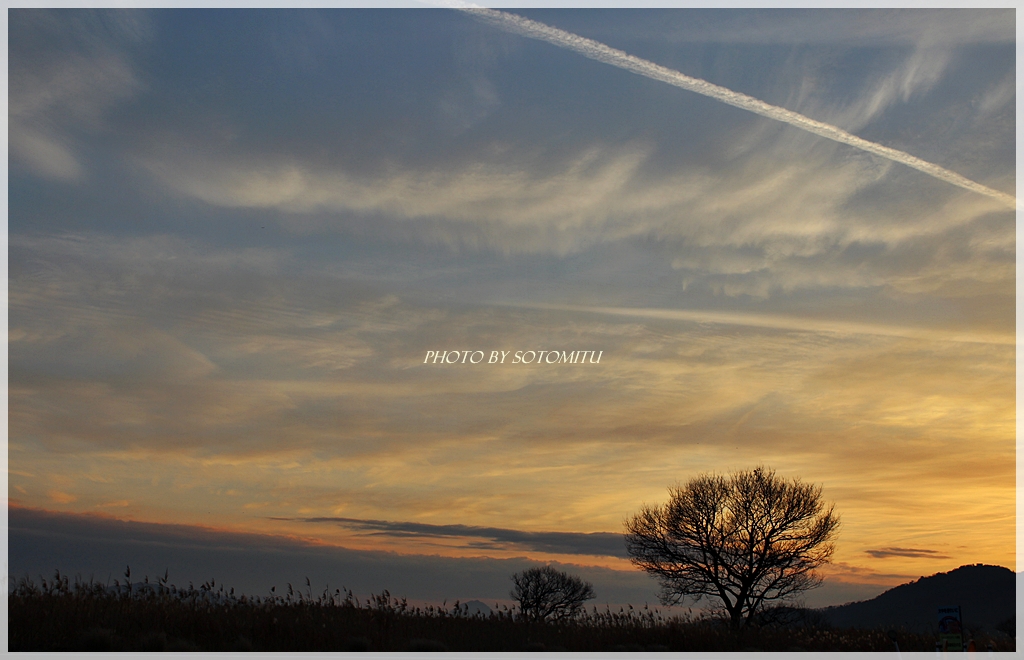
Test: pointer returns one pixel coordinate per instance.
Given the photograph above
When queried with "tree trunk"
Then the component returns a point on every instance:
(736, 618)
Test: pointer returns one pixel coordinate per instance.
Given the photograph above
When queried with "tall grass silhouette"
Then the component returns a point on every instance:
(61, 614)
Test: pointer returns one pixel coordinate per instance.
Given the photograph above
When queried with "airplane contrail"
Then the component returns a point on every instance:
(596, 50)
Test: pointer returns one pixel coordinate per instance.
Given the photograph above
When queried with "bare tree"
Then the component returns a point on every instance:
(546, 594)
(745, 540)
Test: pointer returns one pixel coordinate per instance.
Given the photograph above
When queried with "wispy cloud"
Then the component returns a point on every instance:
(511, 206)
(594, 543)
(882, 553)
(917, 74)
(848, 27)
(781, 322)
(760, 230)
(998, 96)
(54, 96)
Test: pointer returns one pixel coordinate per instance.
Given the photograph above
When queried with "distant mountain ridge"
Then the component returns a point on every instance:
(986, 596)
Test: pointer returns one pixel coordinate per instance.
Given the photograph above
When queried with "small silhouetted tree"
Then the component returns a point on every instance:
(745, 540)
(545, 594)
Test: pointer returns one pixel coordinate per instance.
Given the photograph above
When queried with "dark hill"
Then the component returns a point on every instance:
(986, 596)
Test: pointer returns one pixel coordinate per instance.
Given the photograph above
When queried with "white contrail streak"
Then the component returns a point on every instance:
(602, 53)
(781, 322)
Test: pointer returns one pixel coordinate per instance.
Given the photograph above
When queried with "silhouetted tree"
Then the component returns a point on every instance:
(546, 594)
(746, 539)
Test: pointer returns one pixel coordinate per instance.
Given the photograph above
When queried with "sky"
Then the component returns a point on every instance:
(237, 236)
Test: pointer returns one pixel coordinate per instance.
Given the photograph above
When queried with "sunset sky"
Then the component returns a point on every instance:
(234, 236)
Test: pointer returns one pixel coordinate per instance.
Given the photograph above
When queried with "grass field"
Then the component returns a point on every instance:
(61, 615)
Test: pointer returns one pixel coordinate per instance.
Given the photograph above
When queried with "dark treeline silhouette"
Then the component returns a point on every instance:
(64, 615)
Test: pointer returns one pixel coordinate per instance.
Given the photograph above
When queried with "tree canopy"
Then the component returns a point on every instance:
(546, 594)
(743, 540)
